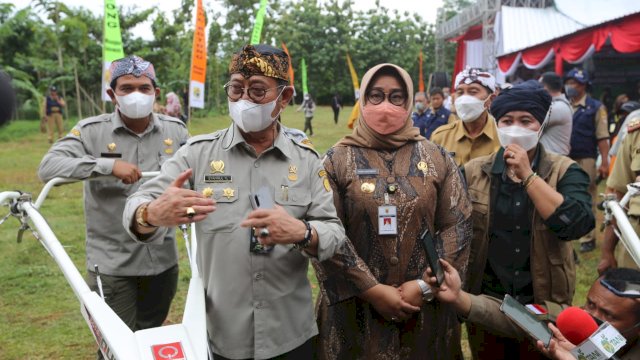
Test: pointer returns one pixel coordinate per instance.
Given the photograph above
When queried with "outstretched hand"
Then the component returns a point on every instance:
(388, 302)
(449, 290)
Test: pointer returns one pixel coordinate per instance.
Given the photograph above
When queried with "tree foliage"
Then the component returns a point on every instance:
(43, 44)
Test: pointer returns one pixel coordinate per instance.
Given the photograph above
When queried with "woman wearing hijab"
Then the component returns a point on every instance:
(527, 206)
(390, 185)
(173, 107)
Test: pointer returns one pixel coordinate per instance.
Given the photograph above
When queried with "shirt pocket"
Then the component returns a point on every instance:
(228, 214)
(295, 200)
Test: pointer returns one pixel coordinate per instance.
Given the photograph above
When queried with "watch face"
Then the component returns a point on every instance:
(428, 296)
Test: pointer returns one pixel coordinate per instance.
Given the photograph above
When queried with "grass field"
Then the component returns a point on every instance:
(39, 315)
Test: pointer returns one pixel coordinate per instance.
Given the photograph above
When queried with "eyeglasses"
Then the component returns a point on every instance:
(235, 92)
(396, 97)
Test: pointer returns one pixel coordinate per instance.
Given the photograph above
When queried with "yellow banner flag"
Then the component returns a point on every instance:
(355, 112)
(198, 60)
(354, 78)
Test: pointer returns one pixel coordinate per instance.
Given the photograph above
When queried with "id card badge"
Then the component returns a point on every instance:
(387, 220)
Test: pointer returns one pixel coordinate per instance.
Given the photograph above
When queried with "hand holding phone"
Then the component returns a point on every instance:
(261, 199)
(432, 256)
(526, 320)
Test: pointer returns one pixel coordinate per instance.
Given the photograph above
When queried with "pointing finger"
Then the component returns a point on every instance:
(180, 180)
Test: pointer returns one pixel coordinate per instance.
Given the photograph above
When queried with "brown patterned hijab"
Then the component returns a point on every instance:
(364, 136)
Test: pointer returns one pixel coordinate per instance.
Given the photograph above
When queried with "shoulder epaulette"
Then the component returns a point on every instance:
(633, 126)
(300, 138)
(206, 137)
(164, 117)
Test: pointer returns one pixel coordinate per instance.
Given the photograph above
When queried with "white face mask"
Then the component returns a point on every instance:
(514, 134)
(135, 105)
(469, 108)
(252, 117)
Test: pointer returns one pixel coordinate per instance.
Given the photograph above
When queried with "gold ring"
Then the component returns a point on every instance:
(190, 212)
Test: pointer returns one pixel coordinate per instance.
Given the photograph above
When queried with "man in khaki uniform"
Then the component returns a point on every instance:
(626, 170)
(52, 108)
(589, 135)
(138, 280)
(253, 262)
(475, 134)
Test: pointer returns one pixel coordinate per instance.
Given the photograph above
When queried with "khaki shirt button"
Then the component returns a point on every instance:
(394, 260)
(257, 304)
(256, 164)
(258, 276)
(391, 179)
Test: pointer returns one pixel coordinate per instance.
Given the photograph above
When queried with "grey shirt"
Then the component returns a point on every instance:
(91, 148)
(557, 133)
(258, 306)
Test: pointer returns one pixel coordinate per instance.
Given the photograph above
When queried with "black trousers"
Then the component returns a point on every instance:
(307, 125)
(302, 352)
(336, 112)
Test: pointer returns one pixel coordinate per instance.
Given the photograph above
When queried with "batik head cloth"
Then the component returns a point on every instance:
(261, 60)
(474, 75)
(132, 65)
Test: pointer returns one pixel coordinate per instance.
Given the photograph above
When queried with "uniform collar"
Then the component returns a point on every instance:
(489, 129)
(582, 102)
(117, 122)
(234, 137)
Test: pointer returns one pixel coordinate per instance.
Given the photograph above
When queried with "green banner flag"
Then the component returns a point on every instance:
(257, 25)
(303, 69)
(111, 43)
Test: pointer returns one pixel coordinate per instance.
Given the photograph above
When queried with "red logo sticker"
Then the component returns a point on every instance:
(171, 351)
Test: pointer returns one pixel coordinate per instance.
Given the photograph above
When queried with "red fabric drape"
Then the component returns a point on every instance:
(459, 64)
(474, 32)
(505, 62)
(536, 55)
(624, 33)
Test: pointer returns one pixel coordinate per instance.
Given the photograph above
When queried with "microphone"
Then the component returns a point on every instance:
(580, 328)
(576, 324)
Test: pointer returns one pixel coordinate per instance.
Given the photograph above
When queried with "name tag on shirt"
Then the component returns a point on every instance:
(387, 220)
(367, 172)
(110, 155)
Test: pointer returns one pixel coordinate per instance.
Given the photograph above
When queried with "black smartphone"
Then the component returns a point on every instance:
(260, 199)
(432, 256)
(526, 320)
(622, 288)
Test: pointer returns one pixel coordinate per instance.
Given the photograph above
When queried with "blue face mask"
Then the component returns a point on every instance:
(571, 91)
(420, 107)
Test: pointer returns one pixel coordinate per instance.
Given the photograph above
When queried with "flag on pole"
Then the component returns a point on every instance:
(198, 61)
(284, 47)
(111, 43)
(354, 78)
(420, 76)
(303, 69)
(257, 25)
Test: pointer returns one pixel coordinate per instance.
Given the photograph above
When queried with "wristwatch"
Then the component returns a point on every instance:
(427, 295)
(304, 243)
(141, 216)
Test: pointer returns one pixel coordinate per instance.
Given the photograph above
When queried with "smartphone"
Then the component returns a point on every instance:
(432, 256)
(622, 288)
(264, 200)
(526, 320)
